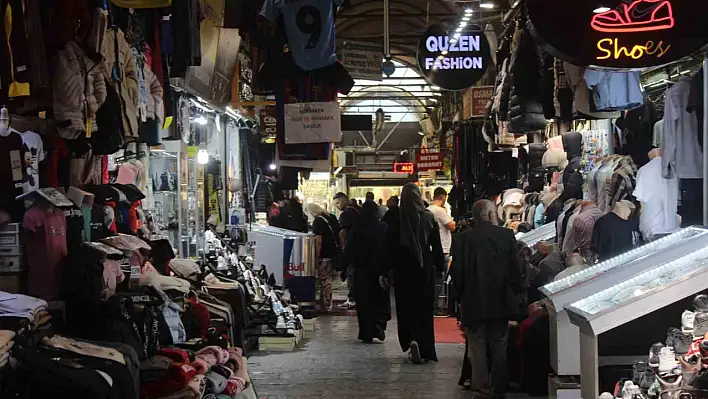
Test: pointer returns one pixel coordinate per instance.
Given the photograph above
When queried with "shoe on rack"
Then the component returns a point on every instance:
(415, 353)
(690, 369)
(700, 303)
(629, 390)
(635, 16)
(667, 360)
(687, 319)
(638, 370)
(700, 325)
(654, 354)
(669, 383)
(606, 395)
(679, 340)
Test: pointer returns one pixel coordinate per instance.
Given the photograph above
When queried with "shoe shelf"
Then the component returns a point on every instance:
(564, 339)
(618, 323)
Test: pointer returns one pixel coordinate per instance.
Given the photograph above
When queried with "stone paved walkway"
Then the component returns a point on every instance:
(333, 364)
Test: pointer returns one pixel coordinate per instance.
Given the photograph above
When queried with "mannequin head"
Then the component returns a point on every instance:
(623, 209)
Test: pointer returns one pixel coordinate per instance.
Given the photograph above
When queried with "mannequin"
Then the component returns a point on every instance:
(615, 233)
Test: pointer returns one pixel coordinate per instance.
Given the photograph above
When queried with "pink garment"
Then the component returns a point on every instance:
(112, 276)
(556, 143)
(47, 241)
(127, 174)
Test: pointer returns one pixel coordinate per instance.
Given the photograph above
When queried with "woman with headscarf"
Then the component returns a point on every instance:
(325, 227)
(416, 257)
(366, 248)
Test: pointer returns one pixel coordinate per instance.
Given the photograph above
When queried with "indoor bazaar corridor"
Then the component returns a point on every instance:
(333, 364)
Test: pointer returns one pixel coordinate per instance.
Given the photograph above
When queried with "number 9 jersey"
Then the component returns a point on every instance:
(309, 25)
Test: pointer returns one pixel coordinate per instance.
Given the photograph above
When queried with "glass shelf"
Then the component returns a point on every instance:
(635, 254)
(645, 283)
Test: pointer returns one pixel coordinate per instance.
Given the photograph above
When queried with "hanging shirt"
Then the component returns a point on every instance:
(47, 239)
(658, 136)
(612, 236)
(682, 154)
(12, 174)
(34, 154)
(659, 198)
(614, 91)
(309, 26)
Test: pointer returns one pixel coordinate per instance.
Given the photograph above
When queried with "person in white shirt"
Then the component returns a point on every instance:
(445, 222)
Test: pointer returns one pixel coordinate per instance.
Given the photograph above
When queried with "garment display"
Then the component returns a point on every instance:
(572, 178)
(659, 199)
(48, 238)
(614, 91)
(34, 154)
(12, 173)
(682, 153)
(613, 234)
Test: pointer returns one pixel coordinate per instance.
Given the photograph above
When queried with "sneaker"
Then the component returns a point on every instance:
(669, 383)
(629, 390)
(647, 380)
(347, 305)
(606, 395)
(654, 354)
(415, 353)
(690, 368)
(679, 340)
(637, 16)
(638, 370)
(700, 325)
(700, 303)
(667, 360)
(687, 321)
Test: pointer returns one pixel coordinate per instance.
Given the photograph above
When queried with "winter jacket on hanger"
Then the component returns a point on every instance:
(76, 78)
(525, 116)
(155, 107)
(572, 178)
(114, 44)
(525, 109)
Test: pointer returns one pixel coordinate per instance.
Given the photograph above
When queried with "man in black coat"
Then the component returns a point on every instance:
(486, 276)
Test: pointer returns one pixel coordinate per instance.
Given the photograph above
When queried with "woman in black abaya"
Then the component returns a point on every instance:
(416, 257)
(366, 247)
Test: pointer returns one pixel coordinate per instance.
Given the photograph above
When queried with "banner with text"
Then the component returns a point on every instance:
(318, 122)
(269, 123)
(362, 61)
(479, 98)
(429, 161)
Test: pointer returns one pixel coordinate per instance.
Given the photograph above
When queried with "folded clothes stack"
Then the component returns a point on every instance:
(6, 344)
(17, 305)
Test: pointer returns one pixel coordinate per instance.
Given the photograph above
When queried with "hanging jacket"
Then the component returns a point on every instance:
(525, 109)
(572, 178)
(127, 84)
(155, 105)
(77, 79)
(525, 115)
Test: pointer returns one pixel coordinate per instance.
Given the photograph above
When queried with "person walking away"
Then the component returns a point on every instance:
(382, 209)
(348, 219)
(446, 226)
(416, 257)
(366, 250)
(325, 227)
(486, 276)
(392, 212)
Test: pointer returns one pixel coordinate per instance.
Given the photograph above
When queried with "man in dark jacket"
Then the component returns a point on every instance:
(572, 178)
(486, 277)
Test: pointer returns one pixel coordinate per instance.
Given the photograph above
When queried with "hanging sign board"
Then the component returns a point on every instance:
(317, 122)
(429, 161)
(629, 34)
(479, 97)
(453, 60)
(403, 167)
(269, 123)
(361, 60)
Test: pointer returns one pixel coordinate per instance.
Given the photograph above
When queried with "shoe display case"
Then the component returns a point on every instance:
(617, 325)
(533, 237)
(564, 341)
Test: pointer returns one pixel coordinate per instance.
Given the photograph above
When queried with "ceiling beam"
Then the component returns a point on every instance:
(400, 15)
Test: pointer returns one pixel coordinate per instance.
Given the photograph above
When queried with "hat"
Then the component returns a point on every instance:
(340, 195)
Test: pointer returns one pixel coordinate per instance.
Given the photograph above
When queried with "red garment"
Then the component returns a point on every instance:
(113, 227)
(104, 170)
(133, 217)
(178, 376)
(202, 314)
(47, 239)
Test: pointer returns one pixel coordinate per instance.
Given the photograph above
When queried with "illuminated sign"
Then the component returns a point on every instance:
(631, 34)
(429, 161)
(403, 167)
(453, 60)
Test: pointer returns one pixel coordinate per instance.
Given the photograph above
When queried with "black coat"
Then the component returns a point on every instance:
(572, 178)
(486, 274)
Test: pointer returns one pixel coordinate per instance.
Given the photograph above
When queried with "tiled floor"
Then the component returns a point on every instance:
(333, 364)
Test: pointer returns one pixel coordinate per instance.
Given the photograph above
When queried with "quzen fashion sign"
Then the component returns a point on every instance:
(453, 60)
(631, 34)
(318, 122)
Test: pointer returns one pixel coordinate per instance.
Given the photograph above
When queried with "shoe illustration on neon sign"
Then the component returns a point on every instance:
(636, 16)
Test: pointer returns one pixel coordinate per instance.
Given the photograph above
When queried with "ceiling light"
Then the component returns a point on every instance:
(487, 5)
(217, 121)
(463, 24)
(468, 11)
(456, 36)
(444, 52)
(201, 120)
(459, 29)
(272, 166)
(601, 9)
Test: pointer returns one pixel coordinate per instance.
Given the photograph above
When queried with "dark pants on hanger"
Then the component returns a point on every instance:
(691, 209)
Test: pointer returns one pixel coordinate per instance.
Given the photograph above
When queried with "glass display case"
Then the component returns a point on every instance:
(563, 334)
(622, 321)
(533, 237)
(165, 206)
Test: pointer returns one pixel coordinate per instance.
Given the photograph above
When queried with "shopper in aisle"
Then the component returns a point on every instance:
(392, 212)
(366, 251)
(382, 209)
(446, 226)
(487, 282)
(325, 227)
(348, 219)
(416, 258)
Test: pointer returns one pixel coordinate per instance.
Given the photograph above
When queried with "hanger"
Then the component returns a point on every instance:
(49, 195)
(4, 122)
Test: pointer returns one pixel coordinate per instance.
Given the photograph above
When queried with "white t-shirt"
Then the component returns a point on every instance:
(659, 198)
(443, 218)
(34, 154)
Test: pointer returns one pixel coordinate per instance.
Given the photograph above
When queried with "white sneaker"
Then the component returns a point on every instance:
(347, 305)
(667, 359)
(687, 321)
(629, 390)
(606, 395)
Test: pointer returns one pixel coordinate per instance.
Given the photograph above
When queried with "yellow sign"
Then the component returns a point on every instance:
(192, 151)
(612, 48)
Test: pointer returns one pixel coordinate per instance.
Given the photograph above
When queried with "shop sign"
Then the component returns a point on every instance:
(403, 167)
(269, 123)
(349, 170)
(628, 34)
(453, 60)
(317, 122)
(429, 161)
(362, 61)
(479, 97)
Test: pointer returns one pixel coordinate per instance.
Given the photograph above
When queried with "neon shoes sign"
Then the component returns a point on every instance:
(632, 34)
